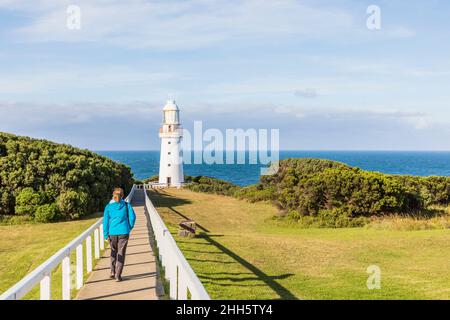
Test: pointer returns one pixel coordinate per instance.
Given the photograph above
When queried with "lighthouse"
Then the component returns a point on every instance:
(171, 159)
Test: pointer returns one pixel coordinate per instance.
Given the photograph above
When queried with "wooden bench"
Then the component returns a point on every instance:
(187, 228)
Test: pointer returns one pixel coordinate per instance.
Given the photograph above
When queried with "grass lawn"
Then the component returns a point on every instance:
(25, 246)
(242, 253)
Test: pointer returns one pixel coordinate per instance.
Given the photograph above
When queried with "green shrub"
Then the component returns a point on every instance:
(72, 204)
(314, 187)
(430, 190)
(212, 185)
(51, 170)
(255, 193)
(335, 218)
(331, 194)
(7, 201)
(2, 150)
(27, 202)
(154, 178)
(46, 213)
(324, 193)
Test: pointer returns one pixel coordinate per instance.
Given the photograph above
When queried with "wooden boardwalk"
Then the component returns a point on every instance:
(140, 275)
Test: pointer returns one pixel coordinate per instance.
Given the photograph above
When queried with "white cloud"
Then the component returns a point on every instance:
(19, 115)
(89, 112)
(70, 77)
(182, 24)
(327, 85)
(306, 93)
(134, 125)
(401, 32)
(418, 120)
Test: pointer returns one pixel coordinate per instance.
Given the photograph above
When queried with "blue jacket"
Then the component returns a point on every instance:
(115, 220)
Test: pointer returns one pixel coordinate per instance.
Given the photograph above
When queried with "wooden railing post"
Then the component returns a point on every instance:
(96, 244)
(102, 238)
(79, 266)
(173, 280)
(66, 278)
(162, 251)
(89, 254)
(46, 287)
(182, 285)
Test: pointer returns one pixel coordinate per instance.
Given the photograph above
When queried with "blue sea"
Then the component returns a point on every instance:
(146, 163)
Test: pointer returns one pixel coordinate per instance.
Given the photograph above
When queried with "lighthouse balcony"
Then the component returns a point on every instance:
(171, 135)
(170, 128)
(163, 132)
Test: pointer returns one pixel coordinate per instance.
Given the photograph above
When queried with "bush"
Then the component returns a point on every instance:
(255, 193)
(313, 187)
(430, 190)
(331, 194)
(154, 178)
(7, 201)
(326, 193)
(46, 213)
(212, 185)
(79, 181)
(27, 202)
(72, 204)
(330, 220)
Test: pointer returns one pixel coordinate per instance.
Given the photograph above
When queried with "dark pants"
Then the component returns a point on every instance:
(118, 246)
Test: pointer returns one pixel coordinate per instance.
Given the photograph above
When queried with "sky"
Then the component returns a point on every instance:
(312, 69)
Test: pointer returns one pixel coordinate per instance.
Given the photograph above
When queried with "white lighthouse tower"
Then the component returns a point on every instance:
(171, 160)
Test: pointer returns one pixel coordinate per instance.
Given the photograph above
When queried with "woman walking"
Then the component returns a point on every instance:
(118, 221)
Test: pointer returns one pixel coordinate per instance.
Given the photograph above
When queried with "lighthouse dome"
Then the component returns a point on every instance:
(170, 106)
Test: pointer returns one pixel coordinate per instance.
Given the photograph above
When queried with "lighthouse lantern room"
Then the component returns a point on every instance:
(171, 159)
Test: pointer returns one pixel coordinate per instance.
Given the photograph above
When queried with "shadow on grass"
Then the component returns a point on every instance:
(200, 251)
(161, 199)
(210, 260)
(234, 284)
(164, 200)
(281, 291)
(284, 276)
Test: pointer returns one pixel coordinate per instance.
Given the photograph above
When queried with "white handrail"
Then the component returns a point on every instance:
(42, 273)
(177, 270)
(131, 194)
(161, 185)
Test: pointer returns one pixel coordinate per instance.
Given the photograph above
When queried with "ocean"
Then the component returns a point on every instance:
(146, 163)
